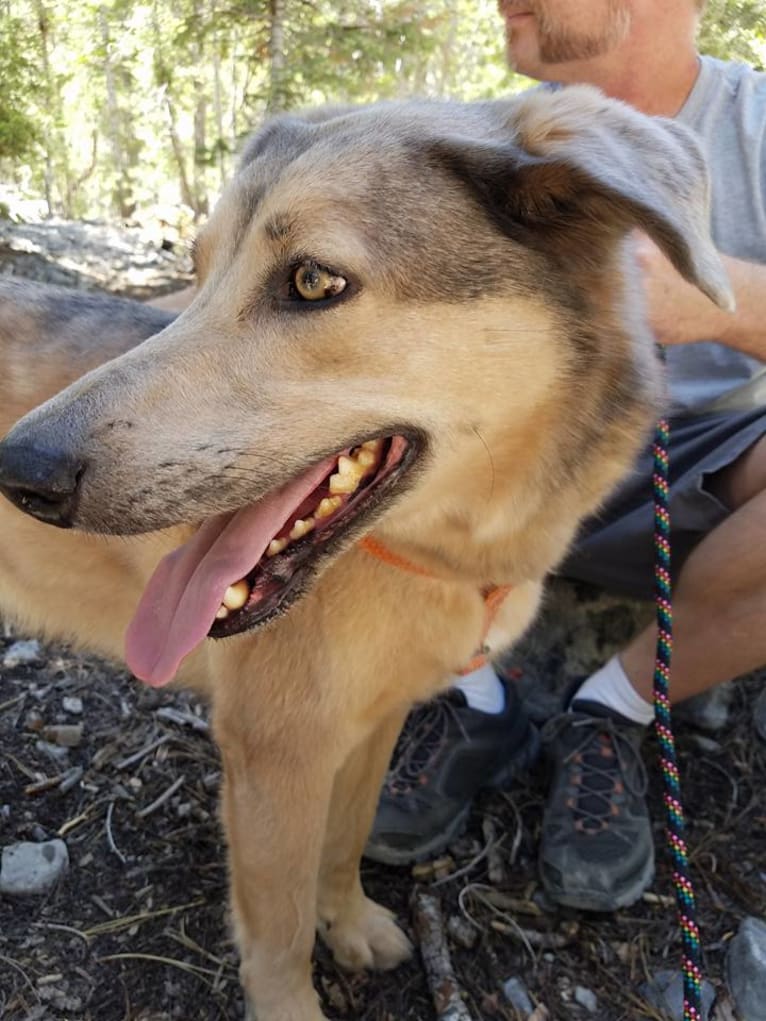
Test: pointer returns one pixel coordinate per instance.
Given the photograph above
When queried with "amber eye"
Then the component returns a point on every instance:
(315, 283)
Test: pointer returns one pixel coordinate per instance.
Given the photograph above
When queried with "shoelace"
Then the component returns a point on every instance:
(603, 766)
(422, 738)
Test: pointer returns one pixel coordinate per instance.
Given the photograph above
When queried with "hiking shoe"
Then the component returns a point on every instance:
(596, 849)
(445, 754)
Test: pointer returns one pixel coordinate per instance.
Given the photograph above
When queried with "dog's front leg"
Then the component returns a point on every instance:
(360, 933)
(274, 806)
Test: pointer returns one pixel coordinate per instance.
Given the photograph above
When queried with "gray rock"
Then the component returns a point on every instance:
(517, 995)
(586, 998)
(72, 704)
(21, 654)
(746, 969)
(28, 869)
(665, 992)
(759, 715)
(708, 711)
(59, 755)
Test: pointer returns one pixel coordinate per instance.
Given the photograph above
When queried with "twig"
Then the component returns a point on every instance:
(58, 927)
(465, 869)
(131, 760)
(195, 969)
(534, 938)
(162, 798)
(109, 838)
(171, 715)
(429, 926)
(496, 870)
(117, 924)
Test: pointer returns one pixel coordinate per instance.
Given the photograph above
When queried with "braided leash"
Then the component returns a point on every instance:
(674, 813)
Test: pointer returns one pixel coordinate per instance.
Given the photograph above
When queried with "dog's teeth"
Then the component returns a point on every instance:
(374, 445)
(276, 546)
(347, 467)
(301, 527)
(327, 506)
(236, 595)
(221, 613)
(340, 484)
(366, 459)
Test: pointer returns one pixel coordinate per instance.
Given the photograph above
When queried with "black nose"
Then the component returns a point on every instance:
(41, 482)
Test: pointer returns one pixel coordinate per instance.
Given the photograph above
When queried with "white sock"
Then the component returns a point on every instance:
(482, 690)
(611, 687)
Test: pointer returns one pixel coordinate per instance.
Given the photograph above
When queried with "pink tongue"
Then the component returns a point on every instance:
(180, 602)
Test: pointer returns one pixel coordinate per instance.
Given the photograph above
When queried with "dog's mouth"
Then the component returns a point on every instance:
(243, 568)
(356, 480)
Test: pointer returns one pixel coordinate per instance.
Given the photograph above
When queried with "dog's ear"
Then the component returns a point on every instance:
(576, 168)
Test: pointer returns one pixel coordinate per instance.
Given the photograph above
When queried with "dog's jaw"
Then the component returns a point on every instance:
(185, 600)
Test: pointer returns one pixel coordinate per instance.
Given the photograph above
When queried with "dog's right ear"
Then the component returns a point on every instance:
(571, 170)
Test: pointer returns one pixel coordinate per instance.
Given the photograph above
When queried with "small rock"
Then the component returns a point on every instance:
(706, 744)
(28, 869)
(462, 932)
(72, 705)
(709, 710)
(665, 991)
(66, 735)
(517, 995)
(586, 998)
(58, 754)
(21, 654)
(759, 715)
(746, 969)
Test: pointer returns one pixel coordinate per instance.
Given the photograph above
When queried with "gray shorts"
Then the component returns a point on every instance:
(615, 548)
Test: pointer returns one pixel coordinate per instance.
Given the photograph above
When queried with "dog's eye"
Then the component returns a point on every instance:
(311, 282)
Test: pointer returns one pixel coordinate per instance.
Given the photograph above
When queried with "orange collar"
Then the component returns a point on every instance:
(493, 595)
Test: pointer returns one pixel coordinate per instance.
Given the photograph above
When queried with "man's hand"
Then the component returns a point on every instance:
(679, 313)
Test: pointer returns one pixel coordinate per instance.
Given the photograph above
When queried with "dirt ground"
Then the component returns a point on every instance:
(137, 930)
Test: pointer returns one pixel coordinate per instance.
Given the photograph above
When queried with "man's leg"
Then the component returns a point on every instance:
(719, 602)
(597, 850)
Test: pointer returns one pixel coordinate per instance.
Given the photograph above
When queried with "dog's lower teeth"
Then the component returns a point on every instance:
(221, 613)
(236, 595)
(344, 484)
(276, 546)
(327, 506)
(301, 528)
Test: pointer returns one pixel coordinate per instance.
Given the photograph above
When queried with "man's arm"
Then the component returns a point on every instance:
(681, 314)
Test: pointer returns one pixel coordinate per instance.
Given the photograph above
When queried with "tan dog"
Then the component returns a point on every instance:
(415, 322)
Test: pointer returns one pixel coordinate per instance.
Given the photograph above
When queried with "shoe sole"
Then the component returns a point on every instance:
(501, 780)
(602, 903)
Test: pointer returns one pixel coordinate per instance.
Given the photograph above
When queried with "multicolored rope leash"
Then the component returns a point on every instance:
(674, 813)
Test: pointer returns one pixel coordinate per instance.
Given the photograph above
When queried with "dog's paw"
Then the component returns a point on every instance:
(366, 937)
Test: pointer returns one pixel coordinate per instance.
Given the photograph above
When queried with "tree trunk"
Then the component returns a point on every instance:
(121, 192)
(277, 98)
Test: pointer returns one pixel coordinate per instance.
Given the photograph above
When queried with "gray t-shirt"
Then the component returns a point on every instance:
(727, 110)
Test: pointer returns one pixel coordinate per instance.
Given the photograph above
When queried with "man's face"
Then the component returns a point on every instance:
(542, 34)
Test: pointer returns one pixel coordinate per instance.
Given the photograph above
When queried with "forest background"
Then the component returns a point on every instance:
(135, 109)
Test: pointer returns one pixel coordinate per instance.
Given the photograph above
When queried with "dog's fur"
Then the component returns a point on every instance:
(490, 313)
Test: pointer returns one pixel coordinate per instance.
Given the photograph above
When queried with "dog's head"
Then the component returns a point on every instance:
(410, 310)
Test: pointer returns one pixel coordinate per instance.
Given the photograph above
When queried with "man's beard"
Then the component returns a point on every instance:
(560, 43)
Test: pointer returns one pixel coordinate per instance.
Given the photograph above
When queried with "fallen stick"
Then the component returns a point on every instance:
(429, 926)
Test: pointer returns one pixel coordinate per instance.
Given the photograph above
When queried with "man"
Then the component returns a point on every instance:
(596, 849)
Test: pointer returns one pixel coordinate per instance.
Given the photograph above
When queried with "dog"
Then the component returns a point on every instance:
(417, 358)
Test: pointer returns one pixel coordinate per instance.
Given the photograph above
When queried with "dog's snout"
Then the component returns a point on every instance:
(41, 482)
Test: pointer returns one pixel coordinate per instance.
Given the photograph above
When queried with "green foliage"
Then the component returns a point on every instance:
(18, 133)
(735, 30)
(133, 107)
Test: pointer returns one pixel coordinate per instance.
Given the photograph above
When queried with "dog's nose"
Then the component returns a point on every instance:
(41, 482)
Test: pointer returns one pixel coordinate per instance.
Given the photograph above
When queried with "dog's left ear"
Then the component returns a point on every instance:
(579, 168)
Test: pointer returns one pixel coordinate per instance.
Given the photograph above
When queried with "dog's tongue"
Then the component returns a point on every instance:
(180, 602)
